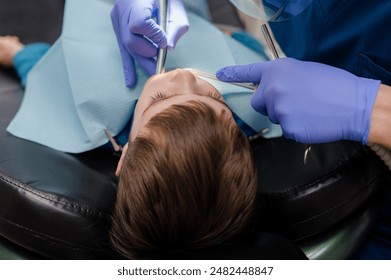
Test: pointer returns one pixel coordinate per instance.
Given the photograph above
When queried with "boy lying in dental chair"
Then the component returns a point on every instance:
(186, 176)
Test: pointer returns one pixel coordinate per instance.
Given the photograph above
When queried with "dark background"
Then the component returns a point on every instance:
(34, 25)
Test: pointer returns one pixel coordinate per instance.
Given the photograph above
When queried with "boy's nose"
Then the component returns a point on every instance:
(183, 76)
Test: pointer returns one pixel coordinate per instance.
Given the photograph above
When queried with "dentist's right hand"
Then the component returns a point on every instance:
(139, 36)
(313, 102)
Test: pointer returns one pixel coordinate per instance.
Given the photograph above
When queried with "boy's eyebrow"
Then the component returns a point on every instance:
(153, 102)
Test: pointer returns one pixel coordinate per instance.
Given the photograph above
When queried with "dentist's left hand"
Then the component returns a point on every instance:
(139, 36)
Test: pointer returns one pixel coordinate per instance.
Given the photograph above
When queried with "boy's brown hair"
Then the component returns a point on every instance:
(188, 183)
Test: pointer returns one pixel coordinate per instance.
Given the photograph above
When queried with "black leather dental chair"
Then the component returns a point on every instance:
(55, 205)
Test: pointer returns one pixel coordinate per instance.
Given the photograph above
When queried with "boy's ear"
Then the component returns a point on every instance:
(121, 160)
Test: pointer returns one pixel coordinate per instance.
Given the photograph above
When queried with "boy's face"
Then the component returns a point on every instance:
(174, 87)
(163, 90)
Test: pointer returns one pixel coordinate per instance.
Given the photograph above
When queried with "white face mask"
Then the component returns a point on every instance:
(271, 9)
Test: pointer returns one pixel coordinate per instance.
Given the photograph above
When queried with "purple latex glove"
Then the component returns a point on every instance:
(139, 36)
(313, 102)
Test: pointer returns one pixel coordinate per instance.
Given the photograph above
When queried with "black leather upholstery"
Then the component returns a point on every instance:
(53, 201)
(308, 198)
(58, 205)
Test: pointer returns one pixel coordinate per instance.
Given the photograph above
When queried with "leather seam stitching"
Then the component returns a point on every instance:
(273, 196)
(40, 235)
(52, 198)
(372, 184)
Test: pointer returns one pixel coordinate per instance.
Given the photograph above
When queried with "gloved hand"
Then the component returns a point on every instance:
(139, 36)
(313, 102)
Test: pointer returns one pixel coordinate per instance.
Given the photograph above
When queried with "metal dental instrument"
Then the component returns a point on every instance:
(162, 19)
(116, 146)
(211, 76)
(269, 42)
(278, 13)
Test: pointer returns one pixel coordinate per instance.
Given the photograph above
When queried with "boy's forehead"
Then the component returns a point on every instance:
(183, 99)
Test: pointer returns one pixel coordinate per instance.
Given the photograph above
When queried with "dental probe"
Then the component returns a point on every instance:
(269, 42)
(116, 146)
(162, 20)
